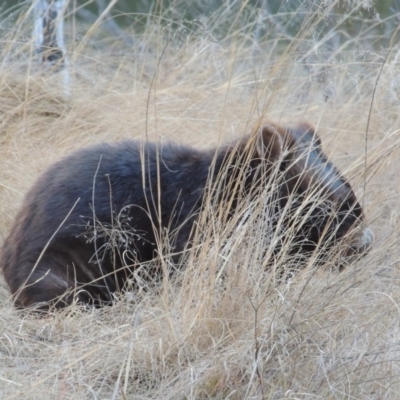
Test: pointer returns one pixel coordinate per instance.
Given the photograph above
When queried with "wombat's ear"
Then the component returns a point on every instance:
(269, 143)
(305, 133)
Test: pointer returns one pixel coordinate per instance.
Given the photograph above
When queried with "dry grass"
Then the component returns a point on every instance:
(322, 335)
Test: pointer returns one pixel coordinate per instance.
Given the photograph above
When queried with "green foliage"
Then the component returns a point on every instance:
(254, 18)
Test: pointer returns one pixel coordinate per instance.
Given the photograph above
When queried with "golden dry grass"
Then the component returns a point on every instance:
(322, 335)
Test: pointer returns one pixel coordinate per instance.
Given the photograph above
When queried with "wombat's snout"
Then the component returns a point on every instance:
(362, 241)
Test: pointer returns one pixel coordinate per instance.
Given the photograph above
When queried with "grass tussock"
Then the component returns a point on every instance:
(224, 326)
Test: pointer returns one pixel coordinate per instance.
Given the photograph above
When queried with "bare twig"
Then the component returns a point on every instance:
(257, 344)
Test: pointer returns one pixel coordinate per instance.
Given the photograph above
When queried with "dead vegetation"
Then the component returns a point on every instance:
(318, 335)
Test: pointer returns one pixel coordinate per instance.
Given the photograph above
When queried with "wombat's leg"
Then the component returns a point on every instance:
(51, 284)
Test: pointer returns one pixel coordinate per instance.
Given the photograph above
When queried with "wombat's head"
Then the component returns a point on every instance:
(316, 205)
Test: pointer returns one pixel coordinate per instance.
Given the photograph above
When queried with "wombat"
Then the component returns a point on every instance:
(59, 250)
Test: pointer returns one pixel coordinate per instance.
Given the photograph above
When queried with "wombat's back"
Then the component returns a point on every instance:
(60, 239)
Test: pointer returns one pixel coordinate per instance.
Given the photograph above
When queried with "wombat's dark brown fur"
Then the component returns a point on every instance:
(58, 248)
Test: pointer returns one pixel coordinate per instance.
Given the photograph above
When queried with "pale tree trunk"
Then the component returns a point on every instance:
(48, 35)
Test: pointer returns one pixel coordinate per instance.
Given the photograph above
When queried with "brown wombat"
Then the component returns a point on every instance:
(58, 248)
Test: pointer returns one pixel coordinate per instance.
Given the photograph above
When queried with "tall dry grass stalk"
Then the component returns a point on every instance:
(225, 326)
